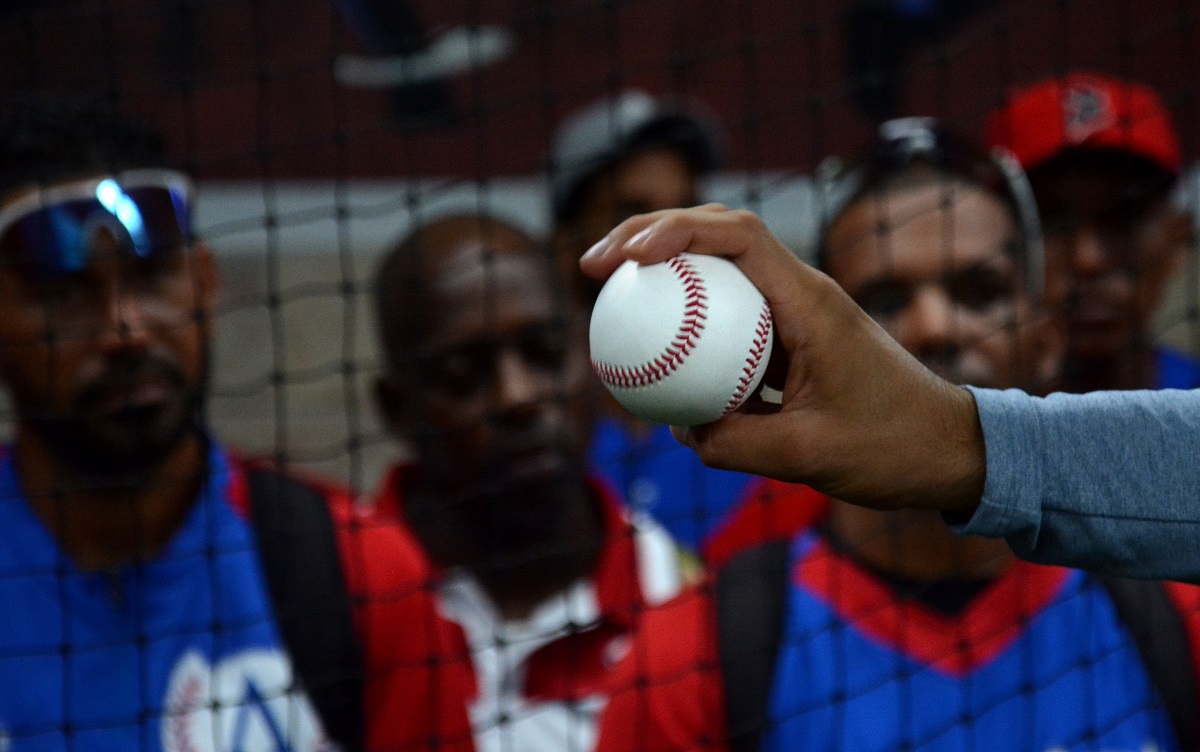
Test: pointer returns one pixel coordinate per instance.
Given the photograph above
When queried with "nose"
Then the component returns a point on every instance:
(123, 325)
(521, 391)
(927, 324)
(1087, 253)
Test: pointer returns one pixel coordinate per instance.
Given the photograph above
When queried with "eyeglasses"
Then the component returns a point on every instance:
(904, 142)
(51, 232)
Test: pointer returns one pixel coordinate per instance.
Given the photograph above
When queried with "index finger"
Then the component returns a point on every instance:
(711, 230)
(603, 258)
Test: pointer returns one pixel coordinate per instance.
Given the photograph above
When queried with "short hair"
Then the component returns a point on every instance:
(910, 177)
(908, 152)
(594, 141)
(402, 277)
(677, 137)
(43, 142)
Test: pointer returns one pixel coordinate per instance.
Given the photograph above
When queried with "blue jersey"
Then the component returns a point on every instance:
(1038, 661)
(665, 479)
(1176, 370)
(178, 653)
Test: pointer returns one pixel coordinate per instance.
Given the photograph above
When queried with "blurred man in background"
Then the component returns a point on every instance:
(884, 630)
(1104, 163)
(625, 155)
(539, 571)
(162, 593)
(620, 156)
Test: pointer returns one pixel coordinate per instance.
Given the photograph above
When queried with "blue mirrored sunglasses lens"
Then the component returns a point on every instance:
(57, 240)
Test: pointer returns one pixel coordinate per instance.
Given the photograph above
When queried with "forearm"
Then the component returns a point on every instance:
(1108, 481)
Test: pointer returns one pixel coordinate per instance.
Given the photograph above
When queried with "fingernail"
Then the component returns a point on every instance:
(638, 240)
(598, 249)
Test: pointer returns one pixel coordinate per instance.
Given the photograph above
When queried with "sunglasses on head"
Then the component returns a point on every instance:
(904, 142)
(52, 231)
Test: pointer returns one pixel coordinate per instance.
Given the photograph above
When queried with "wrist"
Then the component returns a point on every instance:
(963, 472)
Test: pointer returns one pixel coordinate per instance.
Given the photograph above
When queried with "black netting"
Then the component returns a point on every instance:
(337, 471)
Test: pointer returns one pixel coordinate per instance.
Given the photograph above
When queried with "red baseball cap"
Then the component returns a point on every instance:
(1084, 110)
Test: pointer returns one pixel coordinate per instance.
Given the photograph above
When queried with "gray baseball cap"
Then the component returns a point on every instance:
(605, 132)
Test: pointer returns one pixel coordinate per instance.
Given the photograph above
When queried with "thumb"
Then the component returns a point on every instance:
(756, 444)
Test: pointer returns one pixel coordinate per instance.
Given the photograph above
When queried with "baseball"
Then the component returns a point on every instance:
(682, 342)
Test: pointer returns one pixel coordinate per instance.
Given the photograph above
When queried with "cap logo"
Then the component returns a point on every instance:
(1086, 109)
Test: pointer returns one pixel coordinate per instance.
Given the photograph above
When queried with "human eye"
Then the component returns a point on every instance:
(464, 369)
(64, 291)
(980, 288)
(163, 257)
(1060, 225)
(883, 300)
(545, 346)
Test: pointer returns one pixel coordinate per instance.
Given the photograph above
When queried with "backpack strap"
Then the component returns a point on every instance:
(1158, 630)
(750, 596)
(301, 561)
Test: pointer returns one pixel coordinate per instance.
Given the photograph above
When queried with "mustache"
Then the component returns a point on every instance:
(1111, 287)
(505, 445)
(126, 372)
(500, 523)
(945, 362)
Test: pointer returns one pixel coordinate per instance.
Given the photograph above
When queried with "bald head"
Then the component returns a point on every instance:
(451, 250)
(487, 356)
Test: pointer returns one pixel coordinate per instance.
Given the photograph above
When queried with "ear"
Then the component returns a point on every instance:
(205, 278)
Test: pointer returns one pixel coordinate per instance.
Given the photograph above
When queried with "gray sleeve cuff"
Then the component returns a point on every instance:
(1012, 493)
(1104, 481)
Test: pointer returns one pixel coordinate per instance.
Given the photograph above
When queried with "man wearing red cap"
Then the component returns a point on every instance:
(1103, 160)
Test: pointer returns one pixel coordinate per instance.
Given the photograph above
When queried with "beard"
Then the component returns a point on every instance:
(106, 436)
(953, 364)
(518, 532)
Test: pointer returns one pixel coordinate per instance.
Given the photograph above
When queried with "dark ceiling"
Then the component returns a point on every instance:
(245, 89)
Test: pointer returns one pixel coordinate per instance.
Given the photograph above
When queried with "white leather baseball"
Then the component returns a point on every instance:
(683, 342)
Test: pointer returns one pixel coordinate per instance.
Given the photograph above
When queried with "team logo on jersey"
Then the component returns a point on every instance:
(244, 703)
(1086, 109)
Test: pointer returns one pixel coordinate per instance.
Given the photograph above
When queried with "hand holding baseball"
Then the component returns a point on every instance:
(681, 342)
(861, 419)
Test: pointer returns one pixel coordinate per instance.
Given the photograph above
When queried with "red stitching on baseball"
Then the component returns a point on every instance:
(695, 313)
(762, 335)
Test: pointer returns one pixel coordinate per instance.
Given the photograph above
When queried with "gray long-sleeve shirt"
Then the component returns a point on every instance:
(1108, 482)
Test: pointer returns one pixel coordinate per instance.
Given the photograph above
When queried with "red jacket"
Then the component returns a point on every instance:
(539, 684)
